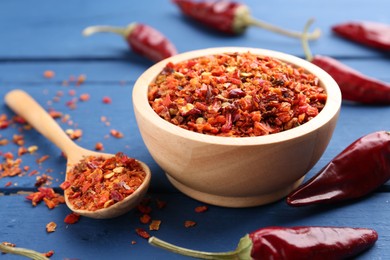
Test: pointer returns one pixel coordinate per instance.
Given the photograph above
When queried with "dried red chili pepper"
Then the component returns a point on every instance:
(354, 85)
(290, 243)
(358, 170)
(371, 34)
(141, 38)
(230, 17)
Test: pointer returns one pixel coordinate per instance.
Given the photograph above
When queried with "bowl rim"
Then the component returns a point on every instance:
(330, 110)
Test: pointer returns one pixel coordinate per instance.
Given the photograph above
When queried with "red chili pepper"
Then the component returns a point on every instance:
(290, 243)
(141, 38)
(371, 34)
(358, 170)
(354, 85)
(230, 17)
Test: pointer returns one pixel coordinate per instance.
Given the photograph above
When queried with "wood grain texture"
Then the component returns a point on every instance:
(43, 35)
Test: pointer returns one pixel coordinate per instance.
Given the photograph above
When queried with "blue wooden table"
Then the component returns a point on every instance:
(46, 35)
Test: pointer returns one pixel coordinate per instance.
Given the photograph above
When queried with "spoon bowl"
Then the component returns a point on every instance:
(25, 106)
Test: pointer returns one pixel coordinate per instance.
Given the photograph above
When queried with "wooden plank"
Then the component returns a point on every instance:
(115, 79)
(53, 30)
(218, 229)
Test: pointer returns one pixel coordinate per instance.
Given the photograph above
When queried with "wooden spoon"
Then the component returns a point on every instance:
(25, 106)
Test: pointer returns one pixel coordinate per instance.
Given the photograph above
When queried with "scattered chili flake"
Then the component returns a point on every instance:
(72, 92)
(145, 209)
(155, 225)
(133, 242)
(72, 218)
(161, 204)
(189, 223)
(84, 97)
(48, 74)
(4, 141)
(81, 79)
(10, 167)
(107, 100)
(51, 227)
(49, 253)
(18, 139)
(97, 182)
(145, 219)
(142, 233)
(236, 94)
(22, 150)
(33, 172)
(116, 133)
(55, 114)
(4, 122)
(18, 119)
(74, 133)
(8, 184)
(42, 180)
(48, 195)
(42, 159)
(201, 209)
(99, 146)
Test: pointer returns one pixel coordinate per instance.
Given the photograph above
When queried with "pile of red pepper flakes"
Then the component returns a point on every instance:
(96, 182)
(236, 94)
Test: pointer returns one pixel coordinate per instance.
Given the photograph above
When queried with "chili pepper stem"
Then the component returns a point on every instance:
(249, 20)
(124, 31)
(242, 251)
(23, 252)
(305, 42)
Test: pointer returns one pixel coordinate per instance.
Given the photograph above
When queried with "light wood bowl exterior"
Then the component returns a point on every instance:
(236, 172)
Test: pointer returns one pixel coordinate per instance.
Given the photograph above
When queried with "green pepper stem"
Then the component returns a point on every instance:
(305, 42)
(312, 36)
(244, 19)
(124, 31)
(23, 252)
(242, 251)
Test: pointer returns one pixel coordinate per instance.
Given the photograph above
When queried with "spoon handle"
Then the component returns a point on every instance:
(25, 106)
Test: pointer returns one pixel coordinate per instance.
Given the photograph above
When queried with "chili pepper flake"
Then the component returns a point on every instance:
(7, 184)
(49, 253)
(42, 159)
(236, 94)
(107, 100)
(81, 79)
(74, 133)
(72, 218)
(51, 227)
(99, 146)
(84, 97)
(116, 133)
(155, 225)
(189, 223)
(145, 219)
(201, 209)
(4, 142)
(144, 209)
(161, 204)
(48, 74)
(48, 195)
(55, 114)
(142, 233)
(97, 182)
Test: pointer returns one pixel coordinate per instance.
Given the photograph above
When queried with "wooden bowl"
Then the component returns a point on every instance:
(229, 171)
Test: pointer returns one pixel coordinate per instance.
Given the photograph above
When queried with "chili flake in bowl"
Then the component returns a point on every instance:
(236, 94)
(236, 126)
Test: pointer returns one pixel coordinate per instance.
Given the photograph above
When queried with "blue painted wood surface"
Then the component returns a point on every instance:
(46, 35)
